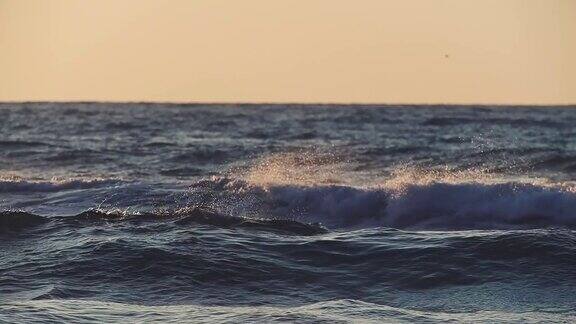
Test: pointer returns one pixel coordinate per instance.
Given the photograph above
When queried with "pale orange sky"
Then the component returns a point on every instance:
(369, 51)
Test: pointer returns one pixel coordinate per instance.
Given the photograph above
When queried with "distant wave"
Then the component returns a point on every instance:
(205, 216)
(450, 121)
(20, 144)
(23, 186)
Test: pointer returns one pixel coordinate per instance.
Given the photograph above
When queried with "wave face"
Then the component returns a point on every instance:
(431, 206)
(271, 213)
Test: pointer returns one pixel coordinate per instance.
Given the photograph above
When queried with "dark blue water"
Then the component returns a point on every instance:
(243, 213)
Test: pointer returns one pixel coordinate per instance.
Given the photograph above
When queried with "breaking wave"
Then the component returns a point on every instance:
(233, 202)
(417, 206)
(441, 201)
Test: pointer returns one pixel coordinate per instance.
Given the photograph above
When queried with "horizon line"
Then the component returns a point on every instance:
(280, 103)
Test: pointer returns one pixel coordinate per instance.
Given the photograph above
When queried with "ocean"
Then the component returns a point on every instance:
(142, 212)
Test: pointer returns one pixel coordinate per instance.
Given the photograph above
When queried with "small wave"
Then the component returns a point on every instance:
(182, 172)
(565, 163)
(21, 144)
(201, 155)
(24, 186)
(203, 216)
(11, 221)
(159, 144)
(70, 156)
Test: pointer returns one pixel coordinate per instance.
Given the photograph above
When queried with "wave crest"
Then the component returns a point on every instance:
(423, 205)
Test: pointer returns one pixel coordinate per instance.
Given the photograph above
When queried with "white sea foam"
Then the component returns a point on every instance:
(411, 199)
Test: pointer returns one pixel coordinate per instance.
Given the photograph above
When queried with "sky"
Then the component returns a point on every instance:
(342, 51)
